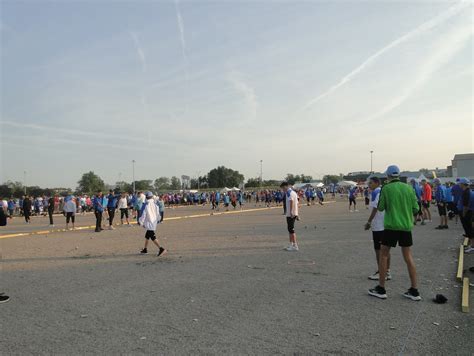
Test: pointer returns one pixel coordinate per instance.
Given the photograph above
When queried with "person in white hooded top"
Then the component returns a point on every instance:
(149, 219)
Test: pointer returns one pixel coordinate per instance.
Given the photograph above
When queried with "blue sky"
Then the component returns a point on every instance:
(182, 87)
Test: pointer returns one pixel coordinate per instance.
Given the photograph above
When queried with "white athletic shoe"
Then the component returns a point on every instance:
(469, 250)
(375, 276)
(292, 248)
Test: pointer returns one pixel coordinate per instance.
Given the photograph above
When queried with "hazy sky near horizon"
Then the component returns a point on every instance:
(182, 87)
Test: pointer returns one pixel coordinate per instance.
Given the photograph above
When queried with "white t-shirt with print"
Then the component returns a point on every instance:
(377, 223)
(291, 196)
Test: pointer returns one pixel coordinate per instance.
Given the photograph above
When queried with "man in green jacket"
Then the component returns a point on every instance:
(399, 203)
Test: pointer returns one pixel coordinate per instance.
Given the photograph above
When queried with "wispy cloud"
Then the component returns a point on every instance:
(434, 22)
(140, 51)
(449, 45)
(247, 92)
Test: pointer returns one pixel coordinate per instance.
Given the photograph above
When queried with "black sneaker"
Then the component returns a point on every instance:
(445, 227)
(378, 292)
(412, 294)
(439, 227)
(4, 298)
(144, 251)
(161, 252)
(97, 230)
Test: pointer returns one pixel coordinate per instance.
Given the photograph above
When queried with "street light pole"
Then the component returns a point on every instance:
(371, 162)
(133, 175)
(261, 173)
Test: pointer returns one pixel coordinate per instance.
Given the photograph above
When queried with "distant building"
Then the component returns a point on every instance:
(462, 165)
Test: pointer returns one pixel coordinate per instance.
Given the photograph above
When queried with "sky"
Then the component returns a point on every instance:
(184, 86)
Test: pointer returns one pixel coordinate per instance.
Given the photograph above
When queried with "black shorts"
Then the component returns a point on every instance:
(442, 210)
(377, 237)
(392, 237)
(367, 201)
(426, 204)
(452, 207)
(150, 235)
(290, 222)
(352, 201)
(70, 217)
(123, 212)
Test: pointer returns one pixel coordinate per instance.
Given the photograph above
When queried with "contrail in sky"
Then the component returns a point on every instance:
(435, 21)
(446, 49)
(140, 52)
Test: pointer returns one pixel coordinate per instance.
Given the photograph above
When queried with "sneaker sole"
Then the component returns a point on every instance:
(380, 296)
(5, 301)
(163, 253)
(416, 299)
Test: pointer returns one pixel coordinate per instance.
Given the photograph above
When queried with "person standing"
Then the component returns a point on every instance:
(467, 206)
(70, 209)
(123, 208)
(27, 209)
(11, 208)
(98, 210)
(51, 211)
(441, 202)
(149, 219)
(291, 215)
(425, 201)
(111, 206)
(416, 188)
(376, 223)
(352, 197)
(398, 201)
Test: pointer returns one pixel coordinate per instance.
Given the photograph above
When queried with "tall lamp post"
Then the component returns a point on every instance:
(133, 175)
(371, 161)
(261, 173)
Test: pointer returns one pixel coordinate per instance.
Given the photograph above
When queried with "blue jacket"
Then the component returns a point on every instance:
(111, 201)
(440, 194)
(97, 204)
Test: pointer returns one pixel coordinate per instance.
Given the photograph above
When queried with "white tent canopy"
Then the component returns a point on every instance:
(235, 189)
(347, 183)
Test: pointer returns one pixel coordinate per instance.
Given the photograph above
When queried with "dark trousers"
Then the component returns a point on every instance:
(111, 212)
(98, 220)
(50, 213)
(284, 206)
(27, 215)
(466, 222)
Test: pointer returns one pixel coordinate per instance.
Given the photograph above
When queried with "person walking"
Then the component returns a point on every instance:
(149, 219)
(70, 210)
(51, 211)
(123, 208)
(111, 206)
(398, 201)
(291, 215)
(98, 211)
(27, 209)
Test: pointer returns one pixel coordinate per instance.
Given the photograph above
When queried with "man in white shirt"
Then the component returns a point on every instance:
(291, 199)
(376, 223)
(69, 209)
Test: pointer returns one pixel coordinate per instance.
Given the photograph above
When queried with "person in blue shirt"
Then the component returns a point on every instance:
(320, 195)
(11, 208)
(226, 201)
(456, 192)
(218, 199)
(352, 197)
(98, 210)
(417, 189)
(112, 200)
(440, 196)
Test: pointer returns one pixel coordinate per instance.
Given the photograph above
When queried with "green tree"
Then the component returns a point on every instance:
(253, 183)
(90, 183)
(124, 187)
(175, 183)
(143, 185)
(328, 179)
(162, 183)
(224, 177)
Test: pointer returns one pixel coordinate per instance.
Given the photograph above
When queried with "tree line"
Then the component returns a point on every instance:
(219, 177)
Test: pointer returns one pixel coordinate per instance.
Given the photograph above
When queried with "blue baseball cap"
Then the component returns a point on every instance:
(393, 171)
(149, 194)
(464, 181)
